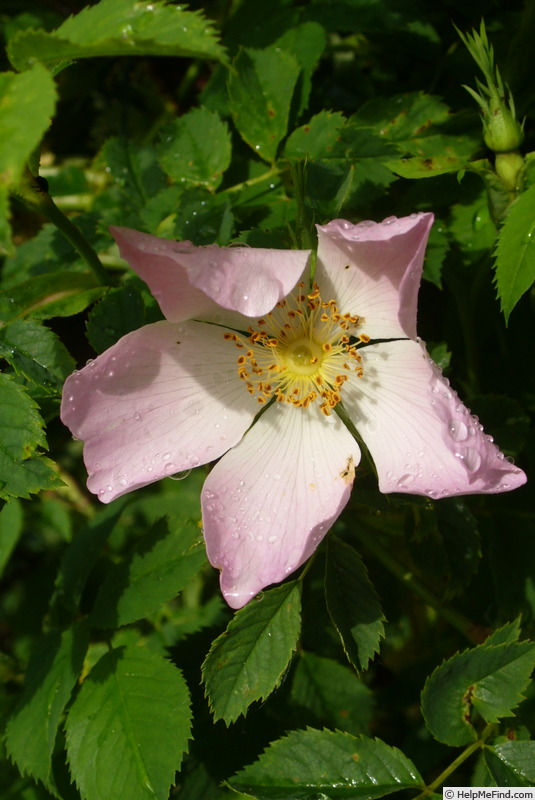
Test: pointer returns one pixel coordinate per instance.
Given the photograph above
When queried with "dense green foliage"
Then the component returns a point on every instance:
(400, 657)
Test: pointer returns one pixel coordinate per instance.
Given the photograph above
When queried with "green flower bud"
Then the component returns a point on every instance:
(501, 131)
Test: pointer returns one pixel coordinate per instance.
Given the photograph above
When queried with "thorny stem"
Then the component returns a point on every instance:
(455, 618)
(461, 758)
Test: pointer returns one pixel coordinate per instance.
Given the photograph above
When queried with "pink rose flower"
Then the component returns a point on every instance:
(249, 367)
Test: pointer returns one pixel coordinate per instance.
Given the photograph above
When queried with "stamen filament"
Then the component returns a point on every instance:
(301, 352)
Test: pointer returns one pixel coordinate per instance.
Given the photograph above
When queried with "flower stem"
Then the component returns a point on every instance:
(271, 173)
(461, 758)
(35, 195)
(75, 237)
(405, 575)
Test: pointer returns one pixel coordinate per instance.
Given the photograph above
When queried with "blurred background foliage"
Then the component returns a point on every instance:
(371, 120)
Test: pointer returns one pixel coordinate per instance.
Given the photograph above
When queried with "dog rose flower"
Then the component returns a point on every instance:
(250, 366)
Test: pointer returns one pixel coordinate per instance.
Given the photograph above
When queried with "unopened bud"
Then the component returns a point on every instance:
(501, 131)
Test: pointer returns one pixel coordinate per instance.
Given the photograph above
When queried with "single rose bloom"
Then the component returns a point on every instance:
(249, 369)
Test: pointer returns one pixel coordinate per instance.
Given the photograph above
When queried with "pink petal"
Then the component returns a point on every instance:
(165, 398)
(373, 269)
(189, 281)
(423, 440)
(269, 501)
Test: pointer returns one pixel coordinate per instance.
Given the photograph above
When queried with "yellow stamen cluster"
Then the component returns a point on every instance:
(301, 352)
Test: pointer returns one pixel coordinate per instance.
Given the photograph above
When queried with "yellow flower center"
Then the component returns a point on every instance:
(302, 352)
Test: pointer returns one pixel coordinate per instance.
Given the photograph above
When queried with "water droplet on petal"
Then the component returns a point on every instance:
(180, 475)
(405, 481)
(457, 430)
(471, 459)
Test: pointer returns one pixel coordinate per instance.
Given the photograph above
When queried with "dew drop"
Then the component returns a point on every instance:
(457, 430)
(179, 476)
(389, 220)
(405, 481)
(471, 459)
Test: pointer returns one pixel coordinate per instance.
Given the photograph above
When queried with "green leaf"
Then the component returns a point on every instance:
(421, 125)
(510, 632)
(163, 563)
(23, 470)
(512, 763)
(26, 105)
(317, 138)
(357, 142)
(58, 294)
(50, 251)
(36, 354)
(134, 170)
(128, 728)
(487, 679)
(350, 173)
(437, 248)
(352, 603)
(428, 167)
(119, 28)
(342, 766)
(306, 43)
(80, 556)
(119, 312)
(515, 254)
(248, 661)
(260, 88)
(471, 227)
(403, 118)
(161, 211)
(11, 522)
(55, 664)
(332, 693)
(204, 218)
(196, 148)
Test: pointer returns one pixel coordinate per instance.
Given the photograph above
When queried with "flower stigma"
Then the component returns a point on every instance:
(302, 352)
